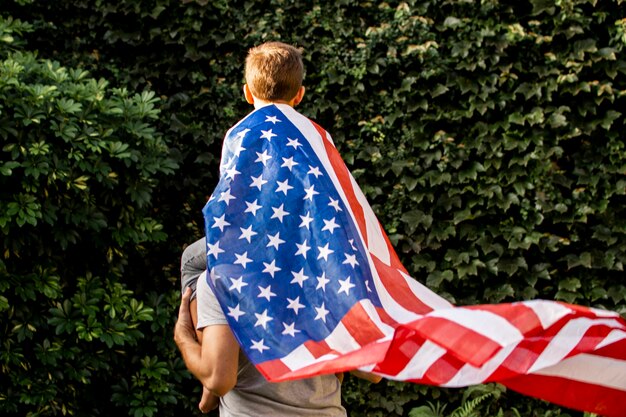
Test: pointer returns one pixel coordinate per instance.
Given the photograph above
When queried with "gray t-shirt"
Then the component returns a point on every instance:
(253, 395)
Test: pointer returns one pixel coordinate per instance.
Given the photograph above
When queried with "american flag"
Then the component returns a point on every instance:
(310, 284)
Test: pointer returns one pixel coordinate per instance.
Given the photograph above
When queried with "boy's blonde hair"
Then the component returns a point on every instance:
(274, 71)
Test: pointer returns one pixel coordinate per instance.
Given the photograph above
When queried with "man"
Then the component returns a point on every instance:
(274, 74)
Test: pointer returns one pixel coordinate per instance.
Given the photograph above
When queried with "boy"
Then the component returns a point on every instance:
(273, 73)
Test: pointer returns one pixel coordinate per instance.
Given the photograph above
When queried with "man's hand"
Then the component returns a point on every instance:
(184, 331)
(367, 376)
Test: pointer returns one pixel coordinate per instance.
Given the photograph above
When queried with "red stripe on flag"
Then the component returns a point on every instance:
(578, 395)
(615, 350)
(403, 347)
(317, 349)
(273, 369)
(276, 371)
(398, 288)
(386, 318)
(442, 370)
(360, 326)
(520, 360)
(468, 345)
(343, 175)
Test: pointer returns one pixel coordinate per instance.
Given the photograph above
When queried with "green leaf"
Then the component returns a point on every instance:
(415, 218)
(570, 284)
(6, 168)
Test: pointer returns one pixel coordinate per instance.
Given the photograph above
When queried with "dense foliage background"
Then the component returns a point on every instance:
(488, 136)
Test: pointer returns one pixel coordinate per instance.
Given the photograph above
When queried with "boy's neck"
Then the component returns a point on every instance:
(258, 103)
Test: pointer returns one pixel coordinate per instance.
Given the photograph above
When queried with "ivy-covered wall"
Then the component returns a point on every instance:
(488, 136)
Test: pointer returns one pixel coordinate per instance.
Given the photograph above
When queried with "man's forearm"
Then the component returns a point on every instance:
(191, 351)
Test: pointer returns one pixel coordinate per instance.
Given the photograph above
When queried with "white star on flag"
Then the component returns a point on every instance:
(247, 233)
(306, 220)
(288, 163)
(283, 186)
(294, 143)
(335, 204)
(242, 259)
(321, 313)
(303, 248)
(279, 213)
(266, 292)
(295, 304)
(267, 134)
(310, 192)
(345, 286)
(231, 173)
(262, 319)
(259, 345)
(299, 277)
(330, 225)
(271, 267)
(252, 207)
(275, 241)
(322, 281)
(350, 260)
(314, 171)
(324, 251)
(237, 284)
(258, 182)
(220, 222)
(290, 329)
(235, 312)
(226, 196)
(263, 157)
(214, 249)
(239, 150)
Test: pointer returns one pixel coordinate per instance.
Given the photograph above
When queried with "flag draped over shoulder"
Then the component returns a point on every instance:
(310, 284)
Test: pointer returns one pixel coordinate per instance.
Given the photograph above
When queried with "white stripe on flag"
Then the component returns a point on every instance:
(548, 312)
(426, 296)
(376, 242)
(298, 358)
(395, 310)
(341, 340)
(614, 336)
(591, 369)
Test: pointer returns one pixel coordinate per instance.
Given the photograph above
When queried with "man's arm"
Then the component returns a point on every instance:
(215, 361)
(192, 264)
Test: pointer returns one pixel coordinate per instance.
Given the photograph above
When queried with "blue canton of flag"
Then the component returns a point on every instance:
(284, 256)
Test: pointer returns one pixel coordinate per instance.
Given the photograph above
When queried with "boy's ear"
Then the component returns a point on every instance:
(299, 95)
(248, 94)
